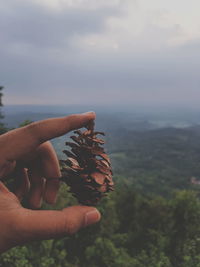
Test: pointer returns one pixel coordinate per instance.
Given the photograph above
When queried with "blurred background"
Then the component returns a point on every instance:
(136, 64)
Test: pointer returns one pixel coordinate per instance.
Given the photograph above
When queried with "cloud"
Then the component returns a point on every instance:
(64, 51)
(35, 25)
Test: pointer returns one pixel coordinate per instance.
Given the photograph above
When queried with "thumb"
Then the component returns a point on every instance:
(39, 225)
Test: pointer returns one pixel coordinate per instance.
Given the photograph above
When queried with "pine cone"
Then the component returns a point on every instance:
(87, 169)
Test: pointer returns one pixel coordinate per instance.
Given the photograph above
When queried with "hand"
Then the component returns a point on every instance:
(27, 156)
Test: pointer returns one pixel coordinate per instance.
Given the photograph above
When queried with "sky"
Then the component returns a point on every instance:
(112, 53)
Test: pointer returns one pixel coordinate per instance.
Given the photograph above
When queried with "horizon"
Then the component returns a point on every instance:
(127, 108)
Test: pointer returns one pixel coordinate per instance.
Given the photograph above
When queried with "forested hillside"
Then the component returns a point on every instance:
(157, 161)
(150, 220)
(135, 231)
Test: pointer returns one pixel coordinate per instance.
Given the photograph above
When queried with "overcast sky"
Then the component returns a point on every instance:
(113, 52)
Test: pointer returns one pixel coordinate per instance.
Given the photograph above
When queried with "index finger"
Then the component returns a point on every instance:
(19, 142)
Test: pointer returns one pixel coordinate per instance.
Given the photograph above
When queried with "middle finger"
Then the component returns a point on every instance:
(44, 164)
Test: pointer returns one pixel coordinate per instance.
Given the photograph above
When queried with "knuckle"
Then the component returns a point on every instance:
(45, 148)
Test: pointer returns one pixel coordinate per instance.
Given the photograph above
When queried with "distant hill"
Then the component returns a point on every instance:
(151, 156)
(157, 161)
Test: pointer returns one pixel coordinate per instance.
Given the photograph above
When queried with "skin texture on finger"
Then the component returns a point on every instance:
(43, 163)
(45, 160)
(39, 225)
(51, 190)
(9, 207)
(50, 169)
(22, 183)
(3, 188)
(6, 166)
(37, 184)
(24, 140)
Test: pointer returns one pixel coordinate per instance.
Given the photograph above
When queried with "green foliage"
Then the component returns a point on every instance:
(104, 253)
(1, 94)
(135, 231)
(156, 161)
(24, 123)
(16, 257)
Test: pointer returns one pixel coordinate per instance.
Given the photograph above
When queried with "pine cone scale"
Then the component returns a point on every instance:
(87, 170)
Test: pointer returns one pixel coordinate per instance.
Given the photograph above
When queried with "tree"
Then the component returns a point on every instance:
(2, 127)
(1, 94)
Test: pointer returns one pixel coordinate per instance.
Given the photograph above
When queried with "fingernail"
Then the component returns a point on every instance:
(92, 217)
(89, 113)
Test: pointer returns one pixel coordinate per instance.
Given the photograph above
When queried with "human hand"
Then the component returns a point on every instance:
(27, 155)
